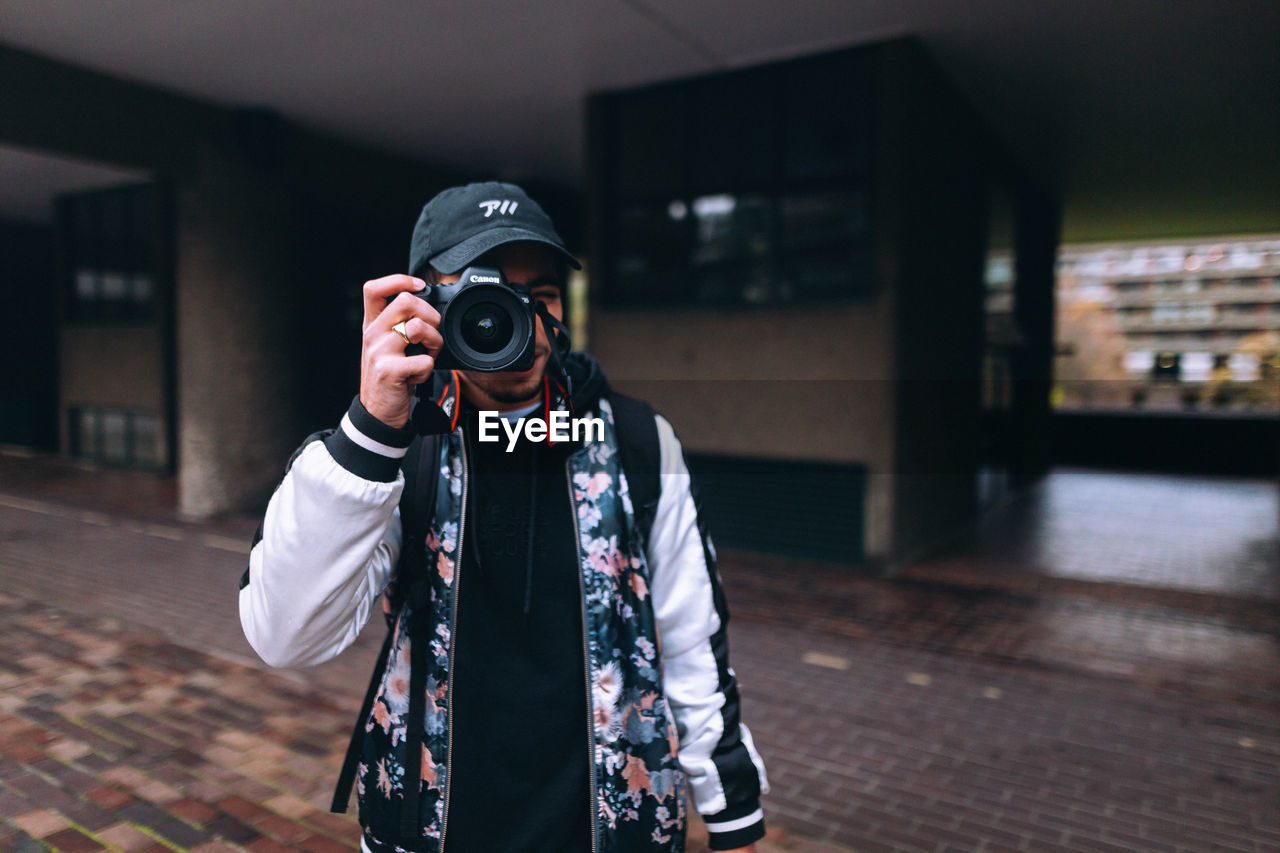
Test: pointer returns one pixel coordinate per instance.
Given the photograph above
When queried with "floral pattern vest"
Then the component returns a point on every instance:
(639, 787)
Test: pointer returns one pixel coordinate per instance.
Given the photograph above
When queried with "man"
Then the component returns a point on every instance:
(554, 680)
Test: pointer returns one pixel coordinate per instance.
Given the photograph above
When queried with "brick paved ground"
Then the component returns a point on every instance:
(961, 706)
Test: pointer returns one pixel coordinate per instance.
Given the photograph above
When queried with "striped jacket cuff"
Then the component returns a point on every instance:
(735, 827)
(367, 447)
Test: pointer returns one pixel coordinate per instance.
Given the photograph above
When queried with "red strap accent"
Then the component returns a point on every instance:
(452, 386)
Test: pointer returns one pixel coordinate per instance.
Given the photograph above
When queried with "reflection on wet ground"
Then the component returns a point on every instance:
(1209, 534)
(1217, 646)
(1164, 580)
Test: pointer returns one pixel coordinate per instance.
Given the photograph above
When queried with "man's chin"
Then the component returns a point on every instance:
(508, 388)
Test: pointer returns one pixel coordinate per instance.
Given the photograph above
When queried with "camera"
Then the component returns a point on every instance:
(487, 324)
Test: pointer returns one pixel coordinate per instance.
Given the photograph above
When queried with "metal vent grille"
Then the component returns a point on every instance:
(799, 509)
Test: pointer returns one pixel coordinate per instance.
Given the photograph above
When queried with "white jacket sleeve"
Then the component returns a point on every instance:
(327, 545)
(726, 774)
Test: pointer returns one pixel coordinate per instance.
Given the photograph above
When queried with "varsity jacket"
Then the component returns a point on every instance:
(662, 699)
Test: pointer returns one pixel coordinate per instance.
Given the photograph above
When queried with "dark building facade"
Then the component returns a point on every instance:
(803, 244)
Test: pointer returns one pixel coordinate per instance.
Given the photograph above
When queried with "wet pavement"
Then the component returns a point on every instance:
(1013, 693)
(1207, 534)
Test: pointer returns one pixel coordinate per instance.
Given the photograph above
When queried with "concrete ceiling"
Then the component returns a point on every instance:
(1136, 101)
(29, 181)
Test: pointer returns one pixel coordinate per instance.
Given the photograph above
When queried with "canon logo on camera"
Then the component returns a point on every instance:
(487, 279)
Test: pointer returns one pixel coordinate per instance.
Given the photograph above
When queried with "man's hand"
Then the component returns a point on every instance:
(387, 375)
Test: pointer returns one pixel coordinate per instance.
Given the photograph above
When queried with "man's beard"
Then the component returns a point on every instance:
(501, 391)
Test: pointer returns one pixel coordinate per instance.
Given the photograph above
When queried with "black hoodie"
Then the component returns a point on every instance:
(519, 676)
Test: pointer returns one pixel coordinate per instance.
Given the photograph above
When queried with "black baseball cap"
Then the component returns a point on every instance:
(460, 224)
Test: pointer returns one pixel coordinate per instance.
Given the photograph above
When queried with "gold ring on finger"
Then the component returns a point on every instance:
(399, 329)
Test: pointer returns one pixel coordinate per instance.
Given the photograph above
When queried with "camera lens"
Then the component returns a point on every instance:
(486, 327)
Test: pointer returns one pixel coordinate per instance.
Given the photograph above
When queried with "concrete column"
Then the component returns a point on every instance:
(241, 315)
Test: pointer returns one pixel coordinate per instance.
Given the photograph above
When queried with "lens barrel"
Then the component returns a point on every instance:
(488, 327)
(487, 324)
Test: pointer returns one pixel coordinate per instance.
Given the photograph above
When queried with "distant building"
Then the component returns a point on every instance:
(1173, 325)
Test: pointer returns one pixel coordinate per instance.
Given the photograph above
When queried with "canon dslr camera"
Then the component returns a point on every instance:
(487, 324)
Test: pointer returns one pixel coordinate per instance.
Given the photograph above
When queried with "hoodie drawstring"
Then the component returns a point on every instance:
(533, 523)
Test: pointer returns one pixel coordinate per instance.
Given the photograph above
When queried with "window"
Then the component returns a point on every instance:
(113, 254)
(1167, 366)
(743, 188)
(116, 437)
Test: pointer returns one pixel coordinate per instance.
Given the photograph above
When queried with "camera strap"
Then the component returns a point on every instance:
(558, 338)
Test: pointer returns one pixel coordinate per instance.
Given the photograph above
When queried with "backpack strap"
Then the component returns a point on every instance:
(417, 506)
(641, 457)
(342, 792)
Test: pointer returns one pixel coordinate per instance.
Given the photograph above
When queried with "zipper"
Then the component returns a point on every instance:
(586, 665)
(453, 641)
